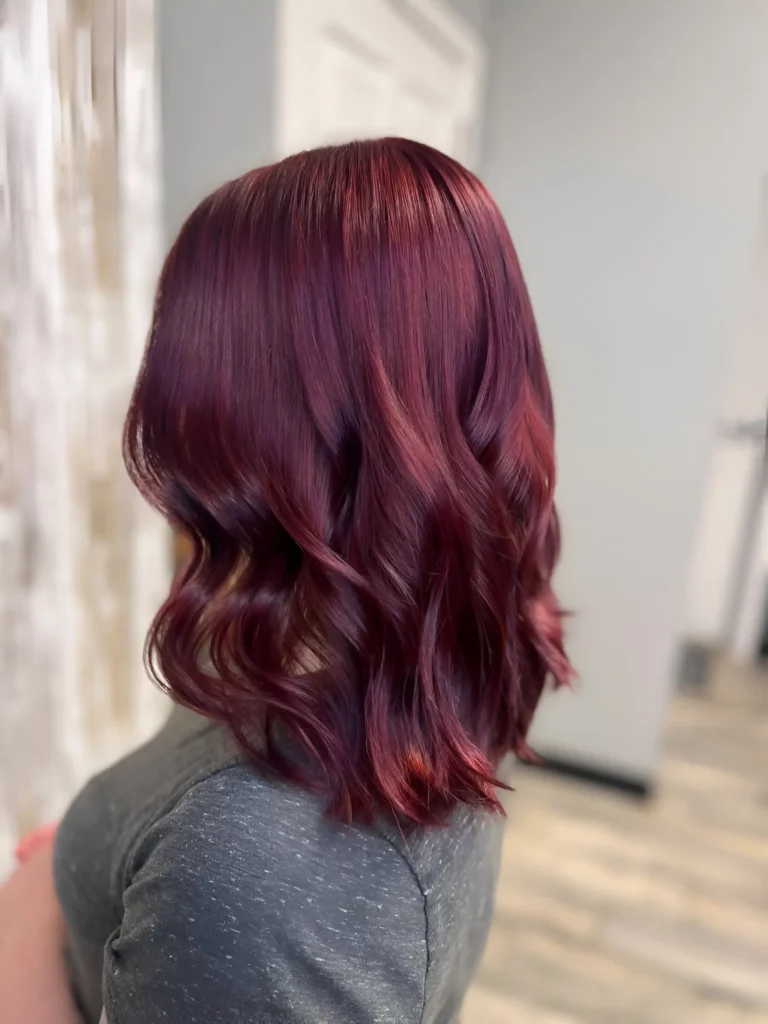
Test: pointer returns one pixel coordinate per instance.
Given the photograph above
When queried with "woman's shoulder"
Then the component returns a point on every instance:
(267, 821)
(233, 890)
(251, 899)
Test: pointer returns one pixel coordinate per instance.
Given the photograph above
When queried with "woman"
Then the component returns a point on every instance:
(344, 406)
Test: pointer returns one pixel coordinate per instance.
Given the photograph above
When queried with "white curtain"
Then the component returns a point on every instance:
(83, 564)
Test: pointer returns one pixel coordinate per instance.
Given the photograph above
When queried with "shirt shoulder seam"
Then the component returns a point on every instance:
(427, 949)
(172, 803)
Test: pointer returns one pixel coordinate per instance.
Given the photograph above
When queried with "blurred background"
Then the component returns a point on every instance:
(627, 145)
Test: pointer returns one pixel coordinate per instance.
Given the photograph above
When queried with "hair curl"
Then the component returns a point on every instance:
(344, 405)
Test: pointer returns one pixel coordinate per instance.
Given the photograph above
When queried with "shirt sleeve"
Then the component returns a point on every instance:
(243, 904)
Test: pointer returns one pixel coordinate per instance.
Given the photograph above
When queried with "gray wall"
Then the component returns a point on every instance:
(217, 72)
(217, 92)
(625, 144)
(476, 12)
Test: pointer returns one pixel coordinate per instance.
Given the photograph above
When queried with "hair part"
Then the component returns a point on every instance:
(344, 405)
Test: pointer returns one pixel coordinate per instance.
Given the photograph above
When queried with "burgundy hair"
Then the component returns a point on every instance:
(344, 405)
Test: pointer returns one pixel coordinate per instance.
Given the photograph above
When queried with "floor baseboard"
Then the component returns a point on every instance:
(625, 783)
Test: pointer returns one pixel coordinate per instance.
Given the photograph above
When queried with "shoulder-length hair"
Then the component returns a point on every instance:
(344, 405)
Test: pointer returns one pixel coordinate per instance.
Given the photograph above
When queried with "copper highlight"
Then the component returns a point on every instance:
(344, 405)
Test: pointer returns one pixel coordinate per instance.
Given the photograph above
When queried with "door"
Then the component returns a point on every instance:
(350, 69)
(726, 584)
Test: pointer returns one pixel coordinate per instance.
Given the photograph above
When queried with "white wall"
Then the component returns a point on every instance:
(217, 74)
(625, 144)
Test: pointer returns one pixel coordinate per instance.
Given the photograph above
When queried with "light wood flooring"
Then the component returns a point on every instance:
(612, 909)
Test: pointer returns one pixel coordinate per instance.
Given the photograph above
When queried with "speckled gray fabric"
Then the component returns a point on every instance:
(195, 890)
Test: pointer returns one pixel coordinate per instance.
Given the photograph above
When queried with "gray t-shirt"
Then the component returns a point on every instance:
(196, 890)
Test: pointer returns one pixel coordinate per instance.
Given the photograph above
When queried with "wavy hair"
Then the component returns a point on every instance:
(344, 405)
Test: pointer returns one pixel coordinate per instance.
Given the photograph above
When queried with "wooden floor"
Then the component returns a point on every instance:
(616, 911)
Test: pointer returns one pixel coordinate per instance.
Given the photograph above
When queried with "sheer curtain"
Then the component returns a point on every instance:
(83, 564)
